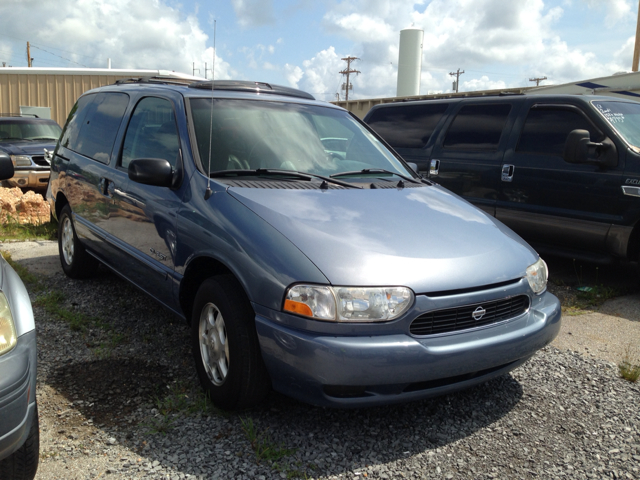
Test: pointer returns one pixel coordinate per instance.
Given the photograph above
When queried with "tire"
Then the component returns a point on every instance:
(23, 463)
(225, 345)
(75, 260)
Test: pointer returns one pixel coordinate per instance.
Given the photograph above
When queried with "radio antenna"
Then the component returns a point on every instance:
(208, 192)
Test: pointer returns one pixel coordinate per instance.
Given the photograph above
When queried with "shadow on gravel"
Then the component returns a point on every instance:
(108, 391)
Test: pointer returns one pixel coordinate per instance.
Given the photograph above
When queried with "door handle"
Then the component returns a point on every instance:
(507, 172)
(434, 168)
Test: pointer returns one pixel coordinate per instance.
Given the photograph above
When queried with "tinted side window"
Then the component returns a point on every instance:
(99, 125)
(152, 132)
(75, 120)
(545, 130)
(477, 127)
(407, 126)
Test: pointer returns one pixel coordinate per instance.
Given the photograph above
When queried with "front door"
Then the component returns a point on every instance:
(148, 229)
(549, 201)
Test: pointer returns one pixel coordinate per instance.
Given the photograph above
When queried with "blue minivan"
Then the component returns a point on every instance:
(305, 255)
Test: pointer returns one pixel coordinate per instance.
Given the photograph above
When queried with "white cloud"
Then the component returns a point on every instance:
(253, 13)
(616, 10)
(293, 74)
(132, 33)
(518, 38)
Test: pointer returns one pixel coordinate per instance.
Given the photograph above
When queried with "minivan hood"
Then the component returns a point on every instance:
(425, 238)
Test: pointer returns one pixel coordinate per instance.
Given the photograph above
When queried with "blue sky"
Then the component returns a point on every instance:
(300, 43)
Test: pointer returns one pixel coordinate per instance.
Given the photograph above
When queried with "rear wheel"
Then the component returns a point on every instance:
(75, 260)
(23, 463)
(225, 345)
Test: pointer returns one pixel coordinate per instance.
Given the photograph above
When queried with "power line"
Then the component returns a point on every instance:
(51, 53)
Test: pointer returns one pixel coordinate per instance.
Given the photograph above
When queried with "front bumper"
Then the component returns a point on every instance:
(365, 370)
(30, 178)
(17, 394)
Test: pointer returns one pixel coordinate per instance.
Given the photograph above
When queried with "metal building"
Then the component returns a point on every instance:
(58, 88)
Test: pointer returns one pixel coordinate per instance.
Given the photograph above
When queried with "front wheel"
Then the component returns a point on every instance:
(75, 260)
(225, 345)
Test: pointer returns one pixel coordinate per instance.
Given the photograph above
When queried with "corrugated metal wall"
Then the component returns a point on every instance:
(57, 91)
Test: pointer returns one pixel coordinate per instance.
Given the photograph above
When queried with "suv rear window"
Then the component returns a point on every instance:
(93, 125)
(407, 126)
(477, 127)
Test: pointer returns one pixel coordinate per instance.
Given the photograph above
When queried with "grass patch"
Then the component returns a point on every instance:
(13, 230)
(629, 367)
(262, 445)
(183, 398)
(28, 278)
(52, 303)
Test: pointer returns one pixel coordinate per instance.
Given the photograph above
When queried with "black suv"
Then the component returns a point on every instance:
(563, 171)
(25, 140)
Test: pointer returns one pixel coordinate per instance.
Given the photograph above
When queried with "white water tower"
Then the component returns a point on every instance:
(409, 62)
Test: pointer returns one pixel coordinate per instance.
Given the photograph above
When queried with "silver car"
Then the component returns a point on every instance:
(19, 437)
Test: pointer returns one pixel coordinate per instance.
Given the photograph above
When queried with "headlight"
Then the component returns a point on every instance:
(21, 160)
(7, 328)
(537, 275)
(348, 304)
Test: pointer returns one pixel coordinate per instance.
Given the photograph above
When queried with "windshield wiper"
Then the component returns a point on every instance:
(375, 171)
(279, 173)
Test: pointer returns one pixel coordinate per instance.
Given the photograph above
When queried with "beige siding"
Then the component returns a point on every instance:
(57, 91)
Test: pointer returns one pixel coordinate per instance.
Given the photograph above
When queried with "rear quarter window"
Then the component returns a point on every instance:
(407, 126)
(478, 127)
(93, 124)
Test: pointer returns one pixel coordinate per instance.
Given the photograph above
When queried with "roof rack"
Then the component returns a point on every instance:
(255, 87)
(160, 79)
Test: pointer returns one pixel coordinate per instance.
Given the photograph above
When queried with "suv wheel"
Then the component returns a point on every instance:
(23, 463)
(75, 260)
(225, 345)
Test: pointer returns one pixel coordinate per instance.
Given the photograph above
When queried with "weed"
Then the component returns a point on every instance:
(27, 277)
(183, 398)
(52, 303)
(629, 367)
(162, 424)
(262, 445)
(13, 230)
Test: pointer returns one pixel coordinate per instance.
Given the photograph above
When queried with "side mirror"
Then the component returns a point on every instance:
(151, 171)
(576, 148)
(6, 167)
(579, 148)
(414, 166)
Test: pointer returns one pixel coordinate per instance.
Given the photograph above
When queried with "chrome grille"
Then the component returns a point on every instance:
(462, 318)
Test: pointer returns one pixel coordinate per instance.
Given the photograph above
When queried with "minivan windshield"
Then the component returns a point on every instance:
(251, 135)
(624, 117)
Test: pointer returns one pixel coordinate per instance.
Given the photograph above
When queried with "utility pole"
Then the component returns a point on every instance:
(537, 80)
(29, 59)
(457, 82)
(348, 86)
(636, 50)
(194, 69)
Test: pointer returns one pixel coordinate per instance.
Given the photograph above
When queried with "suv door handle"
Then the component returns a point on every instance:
(434, 167)
(507, 172)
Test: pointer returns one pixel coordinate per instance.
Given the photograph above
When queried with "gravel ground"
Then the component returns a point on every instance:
(118, 398)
